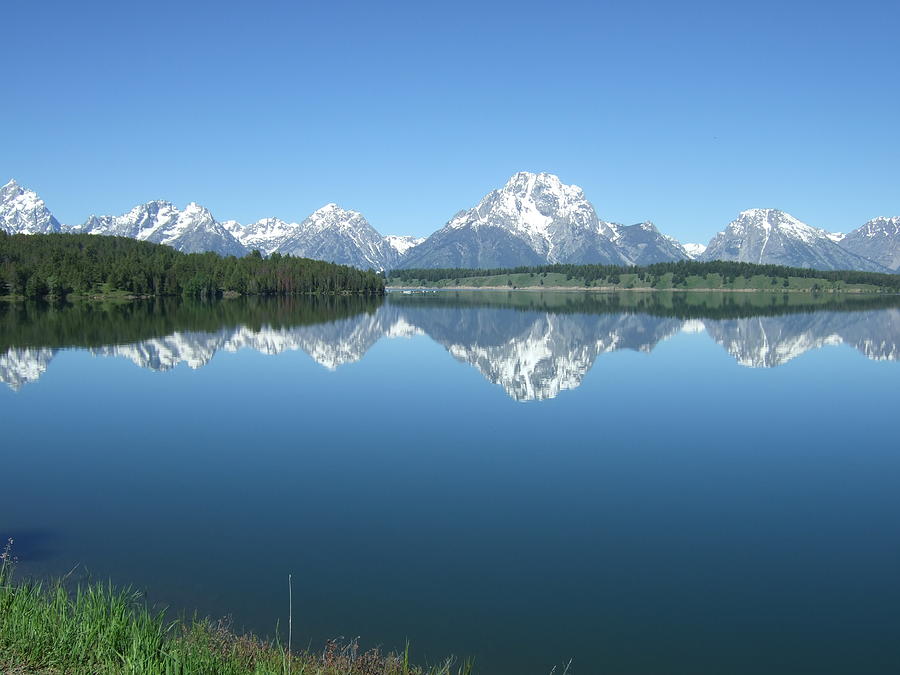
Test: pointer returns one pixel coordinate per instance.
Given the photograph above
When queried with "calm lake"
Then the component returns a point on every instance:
(644, 483)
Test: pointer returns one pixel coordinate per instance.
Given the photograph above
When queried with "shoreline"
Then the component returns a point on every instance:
(45, 621)
(643, 289)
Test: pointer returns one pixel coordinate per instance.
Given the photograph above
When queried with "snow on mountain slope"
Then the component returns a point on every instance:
(878, 240)
(403, 243)
(643, 244)
(533, 219)
(331, 233)
(770, 236)
(23, 212)
(694, 251)
(342, 236)
(265, 235)
(193, 230)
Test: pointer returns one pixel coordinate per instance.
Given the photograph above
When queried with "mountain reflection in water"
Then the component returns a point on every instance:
(533, 345)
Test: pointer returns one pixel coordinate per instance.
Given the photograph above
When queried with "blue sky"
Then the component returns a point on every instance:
(680, 113)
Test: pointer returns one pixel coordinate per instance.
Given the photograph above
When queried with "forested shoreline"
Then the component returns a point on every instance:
(684, 274)
(56, 265)
(684, 306)
(42, 324)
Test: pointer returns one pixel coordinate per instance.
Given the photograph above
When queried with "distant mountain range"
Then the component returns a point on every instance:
(193, 230)
(534, 219)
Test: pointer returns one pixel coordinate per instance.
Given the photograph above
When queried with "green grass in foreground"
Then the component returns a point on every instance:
(97, 629)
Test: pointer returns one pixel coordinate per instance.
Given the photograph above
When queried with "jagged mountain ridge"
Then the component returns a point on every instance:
(23, 212)
(771, 236)
(330, 233)
(193, 230)
(878, 240)
(644, 244)
(342, 236)
(534, 219)
(265, 235)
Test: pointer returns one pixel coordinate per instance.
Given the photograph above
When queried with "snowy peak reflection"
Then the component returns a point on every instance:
(19, 366)
(770, 341)
(533, 347)
(534, 355)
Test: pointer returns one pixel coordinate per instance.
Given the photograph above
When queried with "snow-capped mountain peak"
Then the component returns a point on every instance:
(771, 236)
(331, 232)
(534, 218)
(881, 225)
(333, 216)
(193, 230)
(694, 250)
(265, 235)
(23, 212)
(775, 219)
(403, 243)
(342, 236)
(878, 240)
(644, 244)
(530, 202)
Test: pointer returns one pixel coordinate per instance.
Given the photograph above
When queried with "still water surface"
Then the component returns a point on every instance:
(643, 483)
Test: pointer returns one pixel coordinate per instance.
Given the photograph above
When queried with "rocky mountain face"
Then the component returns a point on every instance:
(193, 230)
(23, 212)
(643, 244)
(878, 240)
(342, 236)
(770, 236)
(536, 219)
(330, 233)
(265, 235)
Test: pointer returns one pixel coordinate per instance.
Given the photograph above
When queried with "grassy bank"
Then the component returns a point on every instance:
(98, 629)
(716, 275)
(639, 282)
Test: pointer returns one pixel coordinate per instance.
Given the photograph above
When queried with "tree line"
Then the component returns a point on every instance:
(37, 323)
(680, 271)
(40, 265)
(689, 305)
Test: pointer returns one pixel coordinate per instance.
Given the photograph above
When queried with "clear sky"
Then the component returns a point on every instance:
(681, 113)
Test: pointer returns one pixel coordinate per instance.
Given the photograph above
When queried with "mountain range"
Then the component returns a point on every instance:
(533, 219)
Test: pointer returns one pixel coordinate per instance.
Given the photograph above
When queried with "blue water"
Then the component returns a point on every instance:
(640, 487)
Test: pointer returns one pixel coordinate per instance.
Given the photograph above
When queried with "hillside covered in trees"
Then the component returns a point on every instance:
(40, 265)
(684, 274)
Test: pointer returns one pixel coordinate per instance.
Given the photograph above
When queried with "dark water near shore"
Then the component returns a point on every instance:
(644, 483)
